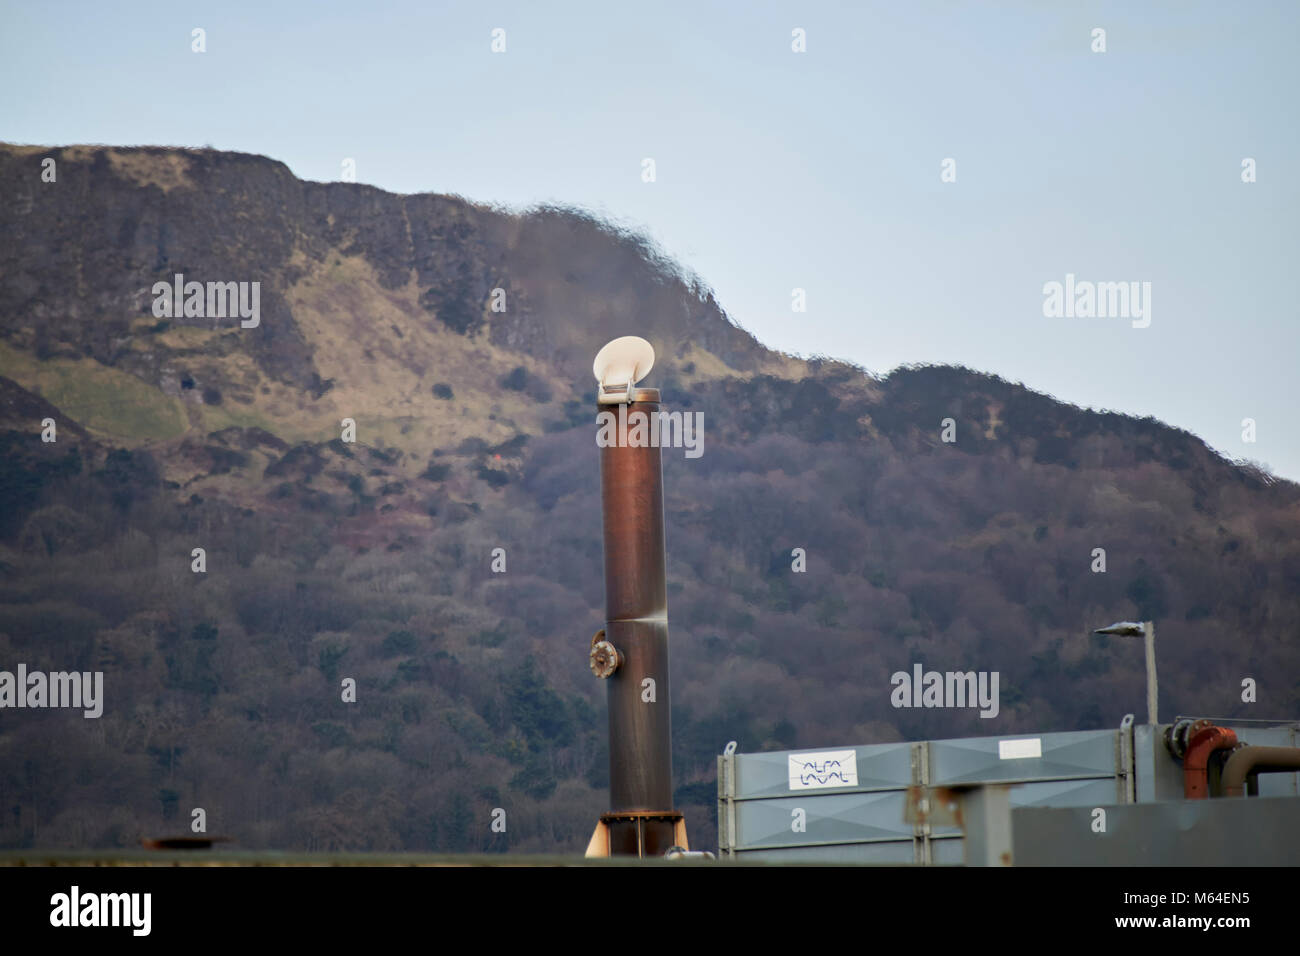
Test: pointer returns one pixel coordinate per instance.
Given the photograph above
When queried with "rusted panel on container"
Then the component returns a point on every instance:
(936, 806)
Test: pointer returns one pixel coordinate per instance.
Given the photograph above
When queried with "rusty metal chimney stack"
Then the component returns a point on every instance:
(631, 652)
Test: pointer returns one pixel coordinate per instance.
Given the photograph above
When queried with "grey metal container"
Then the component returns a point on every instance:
(846, 804)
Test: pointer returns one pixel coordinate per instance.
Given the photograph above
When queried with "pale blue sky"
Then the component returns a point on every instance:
(779, 170)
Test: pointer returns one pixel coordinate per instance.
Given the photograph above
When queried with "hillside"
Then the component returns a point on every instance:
(474, 430)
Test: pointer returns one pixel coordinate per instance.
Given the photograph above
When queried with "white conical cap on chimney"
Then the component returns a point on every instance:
(620, 365)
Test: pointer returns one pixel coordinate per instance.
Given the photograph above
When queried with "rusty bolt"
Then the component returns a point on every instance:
(604, 659)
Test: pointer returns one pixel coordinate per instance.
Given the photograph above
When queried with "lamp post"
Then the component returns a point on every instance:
(1147, 630)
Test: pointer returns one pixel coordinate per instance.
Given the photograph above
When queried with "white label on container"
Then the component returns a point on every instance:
(1020, 749)
(825, 768)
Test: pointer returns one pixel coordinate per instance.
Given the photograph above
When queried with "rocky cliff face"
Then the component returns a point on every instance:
(82, 253)
(457, 339)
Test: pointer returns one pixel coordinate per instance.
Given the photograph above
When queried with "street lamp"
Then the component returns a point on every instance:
(1146, 629)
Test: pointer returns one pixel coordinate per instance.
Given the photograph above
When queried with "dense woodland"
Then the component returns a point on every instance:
(371, 559)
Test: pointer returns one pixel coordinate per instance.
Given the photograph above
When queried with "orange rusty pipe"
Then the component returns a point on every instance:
(1196, 783)
(1252, 760)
